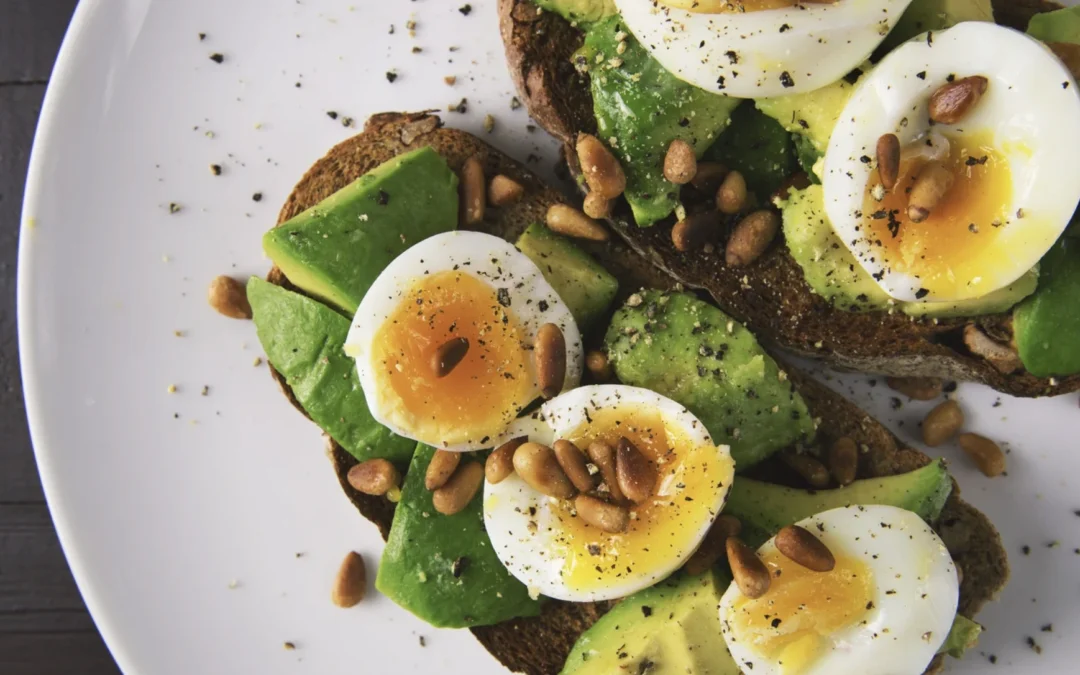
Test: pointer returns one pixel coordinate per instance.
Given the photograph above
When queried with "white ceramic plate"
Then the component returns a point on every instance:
(204, 531)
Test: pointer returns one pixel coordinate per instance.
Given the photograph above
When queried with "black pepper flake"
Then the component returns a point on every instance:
(215, 169)
(785, 79)
(865, 159)
(776, 623)
(1034, 646)
(732, 56)
(503, 296)
(461, 107)
(465, 10)
(1025, 549)
(992, 658)
(720, 82)
(1048, 628)
(217, 57)
(332, 114)
(423, 642)
(921, 293)
(174, 207)
(515, 103)
(257, 197)
(646, 611)
(921, 74)
(459, 566)
(543, 305)
(785, 28)
(383, 198)
(684, 122)
(202, 36)
(391, 76)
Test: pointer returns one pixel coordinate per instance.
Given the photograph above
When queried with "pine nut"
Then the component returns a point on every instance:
(350, 583)
(888, 160)
(457, 492)
(929, 189)
(917, 388)
(986, 454)
(694, 231)
(811, 470)
(942, 423)
(602, 171)
(598, 513)
(572, 461)
(549, 351)
(751, 237)
(374, 477)
(954, 100)
(442, 466)
(750, 574)
(573, 223)
(472, 192)
(448, 355)
(598, 365)
(680, 163)
(229, 297)
(500, 463)
(536, 465)
(713, 545)
(603, 456)
(596, 205)
(731, 197)
(708, 178)
(803, 548)
(504, 191)
(843, 461)
(635, 473)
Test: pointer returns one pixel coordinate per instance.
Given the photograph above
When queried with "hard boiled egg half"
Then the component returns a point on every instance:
(758, 48)
(1012, 162)
(885, 608)
(546, 544)
(478, 298)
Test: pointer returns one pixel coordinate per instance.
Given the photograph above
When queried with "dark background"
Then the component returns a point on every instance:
(44, 627)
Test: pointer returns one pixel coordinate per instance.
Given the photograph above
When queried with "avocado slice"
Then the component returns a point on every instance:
(812, 114)
(1061, 25)
(583, 284)
(691, 352)
(764, 508)
(336, 249)
(303, 339)
(672, 628)
(443, 568)
(756, 146)
(923, 15)
(580, 11)
(1046, 324)
(963, 636)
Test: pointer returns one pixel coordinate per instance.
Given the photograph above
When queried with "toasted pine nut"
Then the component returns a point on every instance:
(500, 463)
(598, 513)
(751, 237)
(708, 177)
(942, 423)
(954, 100)
(549, 351)
(812, 470)
(986, 454)
(731, 197)
(929, 189)
(442, 466)
(229, 297)
(888, 160)
(472, 192)
(680, 163)
(448, 355)
(635, 473)
(596, 205)
(712, 546)
(573, 223)
(750, 574)
(1003, 357)
(602, 171)
(694, 231)
(803, 548)
(350, 583)
(843, 461)
(536, 465)
(572, 461)
(504, 191)
(374, 477)
(917, 388)
(597, 363)
(457, 492)
(603, 456)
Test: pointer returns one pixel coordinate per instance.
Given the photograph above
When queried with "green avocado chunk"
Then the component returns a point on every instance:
(672, 628)
(963, 636)
(336, 249)
(691, 352)
(923, 15)
(580, 11)
(443, 568)
(583, 284)
(756, 146)
(1046, 325)
(640, 109)
(812, 114)
(833, 273)
(1061, 25)
(765, 508)
(303, 339)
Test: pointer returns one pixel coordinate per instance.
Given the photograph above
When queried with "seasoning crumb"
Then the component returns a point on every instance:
(1048, 628)
(515, 103)
(391, 76)
(178, 333)
(215, 169)
(332, 114)
(257, 362)
(171, 389)
(347, 121)
(1035, 647)
(423, 642)
(217, 57)
(417, 50)
(992, 658)
(174, 207)
(205, 390)
(202, 36)
(299, 554)
(450, 80)
(290, 646)
(1025, 549)
(489, 123)
(465, 10)
(257, 197)
(461, 107)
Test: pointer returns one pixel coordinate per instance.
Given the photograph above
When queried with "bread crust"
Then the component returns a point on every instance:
(540, 645)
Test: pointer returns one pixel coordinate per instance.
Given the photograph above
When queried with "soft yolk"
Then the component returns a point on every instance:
(662, 529)
(488, 387)
(734, 6)
(957, 243)
(792, 621)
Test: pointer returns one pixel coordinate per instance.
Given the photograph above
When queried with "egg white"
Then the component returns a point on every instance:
(1031, 107)
(764, 53)
(520, 521)
(915, 594)
(489, 259)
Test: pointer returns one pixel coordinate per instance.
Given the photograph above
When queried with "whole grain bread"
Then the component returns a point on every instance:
(771, 295)
(539, 645)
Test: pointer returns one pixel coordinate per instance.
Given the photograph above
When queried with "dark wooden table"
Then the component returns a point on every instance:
(44, 626)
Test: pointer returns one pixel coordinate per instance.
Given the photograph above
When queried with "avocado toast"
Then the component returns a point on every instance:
(541, 643)
(772, 295)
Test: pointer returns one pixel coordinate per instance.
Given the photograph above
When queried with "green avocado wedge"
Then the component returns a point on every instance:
(924, 15)
(1061, 25)
(579, 11)
(758, 147)
(1046, 324)
(693, 353)
(443, 568)
(765, 508)
(336, 249)
(303, 340)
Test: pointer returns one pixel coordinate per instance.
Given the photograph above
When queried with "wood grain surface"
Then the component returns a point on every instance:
(44, 626)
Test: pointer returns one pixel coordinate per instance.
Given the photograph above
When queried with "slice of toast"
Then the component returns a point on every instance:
(771, 295)
(539, 645)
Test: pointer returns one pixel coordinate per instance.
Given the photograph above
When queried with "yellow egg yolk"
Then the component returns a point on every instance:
(957, 247)
(734, 6)
(662, 529)
(790, 624)
(485, 391)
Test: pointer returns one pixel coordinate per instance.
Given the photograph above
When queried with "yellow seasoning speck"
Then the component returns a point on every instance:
(171, 389)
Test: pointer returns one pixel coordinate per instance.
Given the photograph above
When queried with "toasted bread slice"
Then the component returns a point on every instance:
(539, 645)
(770, 296)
